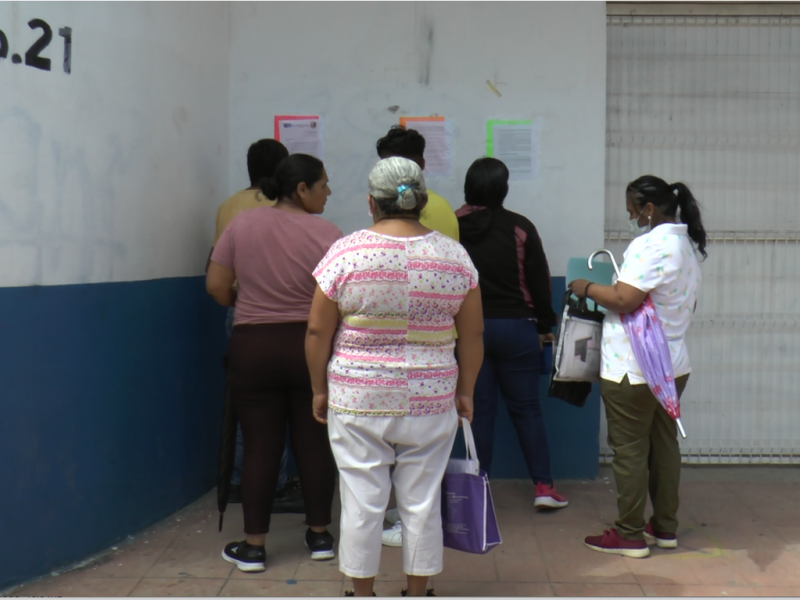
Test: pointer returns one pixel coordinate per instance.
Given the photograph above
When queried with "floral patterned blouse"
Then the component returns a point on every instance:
(393, 353)
(664, 264)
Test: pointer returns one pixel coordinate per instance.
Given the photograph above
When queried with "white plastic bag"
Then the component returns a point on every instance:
(577, 353)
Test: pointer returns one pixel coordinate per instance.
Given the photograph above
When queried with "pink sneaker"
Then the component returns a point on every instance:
(612, 542)
(661, 538)
(548, 497)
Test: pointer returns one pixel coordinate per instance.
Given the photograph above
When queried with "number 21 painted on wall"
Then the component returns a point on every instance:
(33, 57)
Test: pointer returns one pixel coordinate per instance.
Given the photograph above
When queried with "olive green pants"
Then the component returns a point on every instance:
(647, 456)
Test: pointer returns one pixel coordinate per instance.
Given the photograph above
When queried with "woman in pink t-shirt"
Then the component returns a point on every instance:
(271, 252)
(388, 384)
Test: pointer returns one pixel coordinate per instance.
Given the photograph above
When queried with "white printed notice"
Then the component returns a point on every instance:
(300, 134)
(516, 143)
(438, 159)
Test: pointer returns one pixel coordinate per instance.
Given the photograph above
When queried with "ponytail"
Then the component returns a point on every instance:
(690, 214)
(408, 197)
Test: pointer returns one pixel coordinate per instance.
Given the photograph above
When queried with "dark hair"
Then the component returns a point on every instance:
(263, 158)
(486, 183)
(668, 198)
(291, 172)
(399, 141)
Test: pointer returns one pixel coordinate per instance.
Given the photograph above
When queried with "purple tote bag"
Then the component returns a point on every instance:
(468, 518)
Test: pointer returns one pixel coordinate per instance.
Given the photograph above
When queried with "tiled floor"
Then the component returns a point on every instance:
(739, 536)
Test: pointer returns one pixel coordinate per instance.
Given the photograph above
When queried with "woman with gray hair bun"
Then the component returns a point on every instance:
(380, 350)
(397, 185)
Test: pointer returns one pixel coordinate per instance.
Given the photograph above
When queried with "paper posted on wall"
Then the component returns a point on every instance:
(438, 158)
(301, 134)
(516, 143)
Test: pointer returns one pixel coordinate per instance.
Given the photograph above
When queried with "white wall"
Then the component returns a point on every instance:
(349, 62)
(113, 173)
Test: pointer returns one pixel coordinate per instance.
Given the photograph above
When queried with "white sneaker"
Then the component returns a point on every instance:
(393, 516)
(393, 537)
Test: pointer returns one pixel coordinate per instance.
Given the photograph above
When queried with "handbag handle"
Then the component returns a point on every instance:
(469, 442)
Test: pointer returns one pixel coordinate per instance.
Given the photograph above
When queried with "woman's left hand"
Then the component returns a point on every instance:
(464, 407)
(578, 287)
(546, 338)
(320, 408)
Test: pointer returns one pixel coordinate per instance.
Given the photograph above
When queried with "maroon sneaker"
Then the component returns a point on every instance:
(612, 542)
(661, 538)
(548, 497)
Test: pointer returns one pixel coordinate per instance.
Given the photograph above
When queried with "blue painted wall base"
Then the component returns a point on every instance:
(112, 397)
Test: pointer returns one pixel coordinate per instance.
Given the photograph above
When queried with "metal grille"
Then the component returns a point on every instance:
(715, 102)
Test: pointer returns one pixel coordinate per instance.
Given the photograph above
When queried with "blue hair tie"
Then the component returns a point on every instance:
(402, 188)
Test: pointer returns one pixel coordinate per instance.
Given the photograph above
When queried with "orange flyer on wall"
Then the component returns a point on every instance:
(437, 143)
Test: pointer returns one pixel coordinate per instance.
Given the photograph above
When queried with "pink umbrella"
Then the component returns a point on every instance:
(649, 345)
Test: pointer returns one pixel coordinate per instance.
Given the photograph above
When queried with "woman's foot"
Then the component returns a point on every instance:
(662, 539)
(611, 542)
(251, 559)
(320, 544)
(548, 497)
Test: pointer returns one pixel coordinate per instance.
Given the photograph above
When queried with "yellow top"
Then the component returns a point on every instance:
(439, 216)
(235, 204)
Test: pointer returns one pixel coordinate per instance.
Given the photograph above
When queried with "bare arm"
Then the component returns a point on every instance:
(219, 284)
(469, 350)
(323, 320)
(620, 297)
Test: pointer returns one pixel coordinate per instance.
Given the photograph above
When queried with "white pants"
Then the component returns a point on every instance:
(365, 448)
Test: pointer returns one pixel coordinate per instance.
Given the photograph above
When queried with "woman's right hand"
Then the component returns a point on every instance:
(464, 407)
(320, 407)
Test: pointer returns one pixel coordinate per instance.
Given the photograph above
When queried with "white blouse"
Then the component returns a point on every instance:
(663, 263)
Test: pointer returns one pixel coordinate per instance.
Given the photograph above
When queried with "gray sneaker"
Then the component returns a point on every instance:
(392, 516)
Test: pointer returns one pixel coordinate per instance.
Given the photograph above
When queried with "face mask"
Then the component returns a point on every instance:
(636, 229)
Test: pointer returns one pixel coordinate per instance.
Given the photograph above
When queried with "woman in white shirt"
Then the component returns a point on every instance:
(660, 261)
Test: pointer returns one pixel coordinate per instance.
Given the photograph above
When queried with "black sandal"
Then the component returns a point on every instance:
(428, 592)
(353, 593)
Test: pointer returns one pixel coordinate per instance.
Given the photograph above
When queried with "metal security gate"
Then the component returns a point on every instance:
(714, 101)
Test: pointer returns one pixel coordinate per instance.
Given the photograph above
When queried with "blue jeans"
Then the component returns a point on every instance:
(236, 478)
(511, 366)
